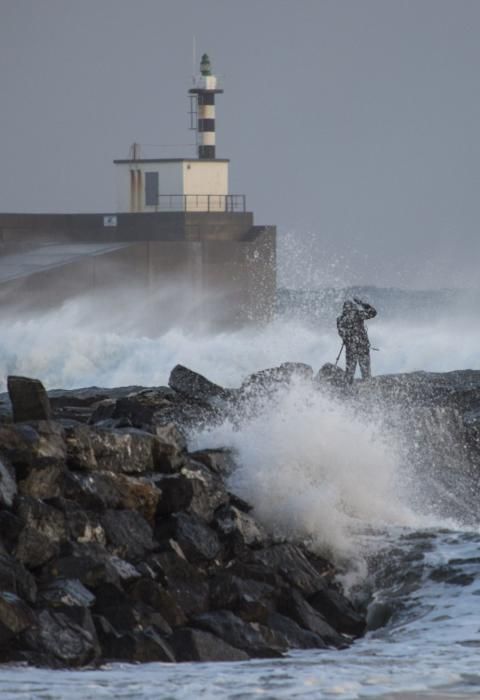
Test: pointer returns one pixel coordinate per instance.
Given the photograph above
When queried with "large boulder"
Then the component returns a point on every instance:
(128, 534)
(239, 634)
(15, 617)
(198, 541)
(292, 565)
(43, 533)
(8, 485)
(338, 612)
(128, 451)
(293, 605)
(186, 583)
(194, 386)
(197, 645)
(29, 399)
(55, 636)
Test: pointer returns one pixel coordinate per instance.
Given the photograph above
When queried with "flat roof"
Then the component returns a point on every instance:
(46, 257)
(174, 160)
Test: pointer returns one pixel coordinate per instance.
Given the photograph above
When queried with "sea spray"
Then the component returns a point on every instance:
(314, 469)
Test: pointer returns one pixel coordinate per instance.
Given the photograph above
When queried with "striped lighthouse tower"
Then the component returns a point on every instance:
(204, 92)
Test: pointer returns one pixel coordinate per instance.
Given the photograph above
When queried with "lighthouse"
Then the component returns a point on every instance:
(204, 91)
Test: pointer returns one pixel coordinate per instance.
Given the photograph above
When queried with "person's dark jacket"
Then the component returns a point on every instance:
(351, 326)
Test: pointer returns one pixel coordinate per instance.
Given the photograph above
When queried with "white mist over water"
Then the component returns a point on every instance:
(77, 345)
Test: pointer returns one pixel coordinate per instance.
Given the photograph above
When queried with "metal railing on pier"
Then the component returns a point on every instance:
(229, 203)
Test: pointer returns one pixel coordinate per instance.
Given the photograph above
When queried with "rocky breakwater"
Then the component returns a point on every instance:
(117, 543)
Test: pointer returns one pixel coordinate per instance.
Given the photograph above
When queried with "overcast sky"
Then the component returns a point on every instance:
(350, 124)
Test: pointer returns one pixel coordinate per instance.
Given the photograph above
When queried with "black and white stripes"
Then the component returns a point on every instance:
(205, 90)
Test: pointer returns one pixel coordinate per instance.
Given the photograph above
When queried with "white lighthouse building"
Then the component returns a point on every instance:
(182, 184)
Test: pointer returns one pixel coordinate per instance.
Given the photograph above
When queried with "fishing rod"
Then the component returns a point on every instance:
(338, 356)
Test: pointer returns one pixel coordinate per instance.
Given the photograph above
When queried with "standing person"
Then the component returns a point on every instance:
(351, 328)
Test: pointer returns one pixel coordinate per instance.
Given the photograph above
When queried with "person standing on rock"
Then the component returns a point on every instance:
(351, 328)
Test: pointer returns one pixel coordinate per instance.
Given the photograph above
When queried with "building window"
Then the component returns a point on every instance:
(151, 189)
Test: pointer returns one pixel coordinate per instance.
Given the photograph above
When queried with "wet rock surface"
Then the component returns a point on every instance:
(116, 542)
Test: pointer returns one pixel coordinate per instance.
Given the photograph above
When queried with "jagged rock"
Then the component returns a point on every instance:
(128, 451)
(128, 533)
(8, 486)
(15, 616)
(194, 386)
(29, 399)
(197, 540)
(34, 446)
(10, 528)
(296, 637)
(330, 375)
(81, 525)
(43, 533)
(270, 379)
(153, 594)
(196, 645)
(65, 592)
(338, 612)
(141, 408)
(291, 563)
(239, 634)
(56, 635)
(176, 493)
(92, 564)
(218, 461)
(140, 645)
(43, 483)
(169, 450)
(103, 490)
(80, 451)
(186, 583)
(295, 606)
(209, 491)
(251, 600)
(15, 578)
(242, 527)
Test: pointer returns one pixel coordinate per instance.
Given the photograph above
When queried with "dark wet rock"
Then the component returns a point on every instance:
(10, 528)
(338, 612)
(15, 616)
(267, 380)
(159, 599)
(15, 578)
(330, 375)
(447, 574)
(296, 607)
(80, 450)
(290, 562)
(194, 386)
(176, 493)
(8, 485)
(65, 593)
(32, 446)
(44, 531)
(56, 635)
(169, 449)
(296, 637)
(128, 451)
(81, 525)
(141, 408)
(218, 461)
(92, 564)
(29, 399)
(249, 599)
(247, 636)
(187, 584)
(43, 483)
(197, 645)
(103, 490)
(209, 491)
(128, 533)
(139, 645)
(379, 614)
(240, 526)
(198, 541)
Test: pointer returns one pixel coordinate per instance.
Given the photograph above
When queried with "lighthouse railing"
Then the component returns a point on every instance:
(230, 203)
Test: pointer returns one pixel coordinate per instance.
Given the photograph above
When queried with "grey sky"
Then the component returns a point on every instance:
(351, 124)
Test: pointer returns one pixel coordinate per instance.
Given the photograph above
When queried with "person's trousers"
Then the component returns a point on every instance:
(354, 355)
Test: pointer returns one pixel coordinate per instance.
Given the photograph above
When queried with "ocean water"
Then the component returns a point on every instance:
(315, 469)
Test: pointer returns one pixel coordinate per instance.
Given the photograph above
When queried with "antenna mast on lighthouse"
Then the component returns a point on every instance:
(204, 91)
